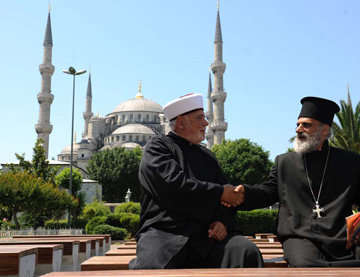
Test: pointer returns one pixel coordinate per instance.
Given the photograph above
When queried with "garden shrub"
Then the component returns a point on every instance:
(56, 224)
(128, 207)
(115, 232)
(128, 221)
(93, 209)
(256, 221)
(93, 223)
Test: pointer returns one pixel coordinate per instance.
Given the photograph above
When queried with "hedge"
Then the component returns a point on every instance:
(256, 221)
(115, 232)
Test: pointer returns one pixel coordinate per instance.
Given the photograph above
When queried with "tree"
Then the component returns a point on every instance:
(116, 170)
(63, 180)
(39, 166)
(243, 161)
(346, 134)
(24, 192)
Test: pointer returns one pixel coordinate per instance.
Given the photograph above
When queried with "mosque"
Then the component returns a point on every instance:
(133, 122)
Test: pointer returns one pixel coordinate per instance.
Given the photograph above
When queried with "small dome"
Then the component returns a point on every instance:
(133, 129)
(130, 145)
(105, 147)
(138, 104)
(67, 149)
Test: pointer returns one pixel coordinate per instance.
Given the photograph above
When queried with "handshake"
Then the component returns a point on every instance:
(233, 196)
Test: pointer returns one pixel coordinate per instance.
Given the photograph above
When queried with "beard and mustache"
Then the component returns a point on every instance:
(305, 143)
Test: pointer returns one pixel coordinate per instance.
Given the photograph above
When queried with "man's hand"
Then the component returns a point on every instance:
(217, 231)
(233, 196)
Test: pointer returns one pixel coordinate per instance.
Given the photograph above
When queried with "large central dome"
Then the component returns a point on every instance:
(138, 104)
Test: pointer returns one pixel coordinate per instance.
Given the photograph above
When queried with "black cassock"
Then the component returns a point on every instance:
(182, 186)
(307, 239)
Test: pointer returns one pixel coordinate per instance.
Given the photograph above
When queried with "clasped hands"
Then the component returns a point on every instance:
(233, 196)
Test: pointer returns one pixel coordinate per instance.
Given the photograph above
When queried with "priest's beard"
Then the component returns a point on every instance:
(305, 143)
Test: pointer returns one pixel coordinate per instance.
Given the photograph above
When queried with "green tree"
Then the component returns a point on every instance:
(116, 170)
(243, 161)
(38, 166)
(346, 133)
(24, 192)
(63, 180)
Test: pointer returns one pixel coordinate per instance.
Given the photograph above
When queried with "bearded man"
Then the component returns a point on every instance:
(316, 187)
(182, 222)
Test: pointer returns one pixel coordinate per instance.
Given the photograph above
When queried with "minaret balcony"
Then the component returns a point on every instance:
(218, 96)
(46, 68)
(218, 67)
(44, 97)
(43, 128)
(219, 126)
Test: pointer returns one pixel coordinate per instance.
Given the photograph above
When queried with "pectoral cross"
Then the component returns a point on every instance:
(318, 210)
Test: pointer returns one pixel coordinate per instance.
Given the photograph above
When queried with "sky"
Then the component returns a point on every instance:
(276, 52)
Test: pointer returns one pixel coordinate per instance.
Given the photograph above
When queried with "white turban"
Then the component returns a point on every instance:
(183, 104)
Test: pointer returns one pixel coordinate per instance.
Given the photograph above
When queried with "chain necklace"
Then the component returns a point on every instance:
(317, 210)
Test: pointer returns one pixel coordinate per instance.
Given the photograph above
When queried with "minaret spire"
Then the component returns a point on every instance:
(218, 95)
(88, 112)
(209, 116)
(45, 98)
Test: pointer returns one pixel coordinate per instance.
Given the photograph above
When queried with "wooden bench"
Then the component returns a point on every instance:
(70, 259)
(18, 260)
(107, 263)
(220, 272)
(120, 252)
(98, 243)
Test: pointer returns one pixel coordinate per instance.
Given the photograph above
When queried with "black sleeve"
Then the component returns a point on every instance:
(262, 195)
(163, 178)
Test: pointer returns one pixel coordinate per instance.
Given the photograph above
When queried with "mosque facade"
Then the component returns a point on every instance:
(133, 122)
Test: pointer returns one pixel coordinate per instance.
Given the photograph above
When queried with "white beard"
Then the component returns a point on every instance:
(305, 143)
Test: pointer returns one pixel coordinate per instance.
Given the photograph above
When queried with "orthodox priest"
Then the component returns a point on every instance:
(182, 221)
(316, 187)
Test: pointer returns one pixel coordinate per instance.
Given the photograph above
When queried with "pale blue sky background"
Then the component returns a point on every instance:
(276, 52)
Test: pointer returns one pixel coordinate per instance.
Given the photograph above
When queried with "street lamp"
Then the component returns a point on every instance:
(74, 73)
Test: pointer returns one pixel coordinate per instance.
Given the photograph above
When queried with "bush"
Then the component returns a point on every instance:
(93, 223)
(56, 224)
(115, 232)
(128, 221)
(128, 207)
(256, 221)
(95, 209)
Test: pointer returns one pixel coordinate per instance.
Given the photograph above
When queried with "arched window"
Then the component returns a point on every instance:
(131, 117)
(117, 138)
(139, 117)
(147, 117)
(124, 138)
(137, 138)
(123, 118)
(130, 137)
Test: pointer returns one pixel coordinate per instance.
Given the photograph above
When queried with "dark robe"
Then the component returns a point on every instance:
(287, 184)
(182, 186)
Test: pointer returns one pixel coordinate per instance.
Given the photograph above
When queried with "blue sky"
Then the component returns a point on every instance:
(276, 52)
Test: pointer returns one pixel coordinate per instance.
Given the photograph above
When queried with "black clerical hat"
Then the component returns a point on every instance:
(318, 108)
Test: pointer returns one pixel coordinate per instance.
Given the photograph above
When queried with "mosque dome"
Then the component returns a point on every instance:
(67, 149)
(133, 129)
(138, 104)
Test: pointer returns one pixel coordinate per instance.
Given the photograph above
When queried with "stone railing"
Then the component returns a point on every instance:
(39, 231)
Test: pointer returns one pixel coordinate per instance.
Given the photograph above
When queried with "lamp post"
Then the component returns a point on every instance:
(74, 73)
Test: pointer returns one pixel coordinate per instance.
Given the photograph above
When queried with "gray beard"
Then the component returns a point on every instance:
(309, 144)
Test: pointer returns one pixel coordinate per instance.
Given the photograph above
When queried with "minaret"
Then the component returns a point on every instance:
(209, 116)
(43, 127)
(88, 113)
(218, 96)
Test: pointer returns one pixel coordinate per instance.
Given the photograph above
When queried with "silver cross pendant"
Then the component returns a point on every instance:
(318, 210)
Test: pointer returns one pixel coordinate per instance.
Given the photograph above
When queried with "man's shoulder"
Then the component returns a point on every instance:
(287, 156)
(345, 154)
